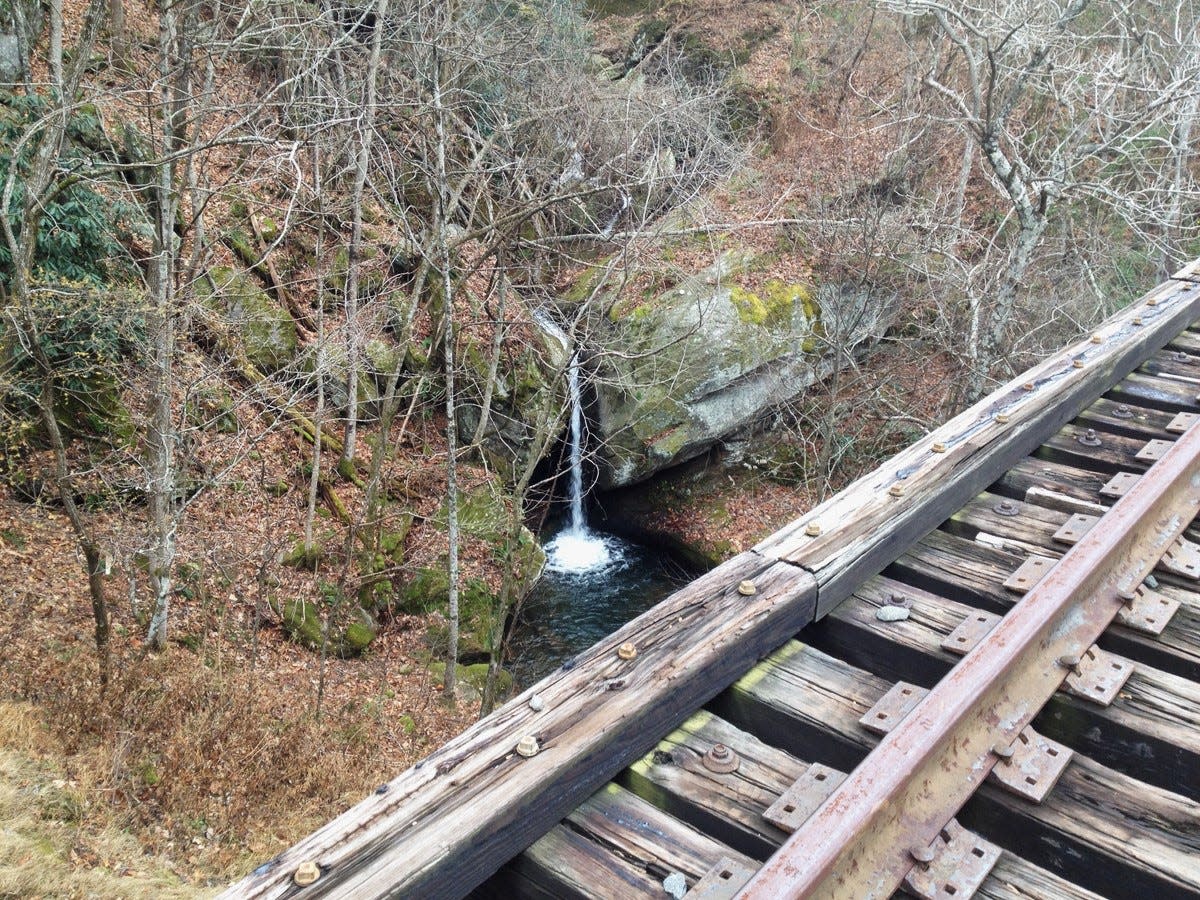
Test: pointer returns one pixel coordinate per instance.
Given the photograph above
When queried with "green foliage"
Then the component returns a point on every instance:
(84, 334)
(75, 241)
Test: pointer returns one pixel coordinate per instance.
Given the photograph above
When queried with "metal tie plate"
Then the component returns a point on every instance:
(961, 862)
(970, 631)
(1119, 485)
(1154, 450)
(1148, 612)
(1073, 530)
(1182, 422)
(1034, 767)
(722, 881)
(1099, 676)
(1030, 573)
(801, 800)
(1182, 558)
(892, 707)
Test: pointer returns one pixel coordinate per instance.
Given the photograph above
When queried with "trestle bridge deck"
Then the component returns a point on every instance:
(976, 671)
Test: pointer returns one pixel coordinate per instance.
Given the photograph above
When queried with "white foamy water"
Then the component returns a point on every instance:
(578, 551)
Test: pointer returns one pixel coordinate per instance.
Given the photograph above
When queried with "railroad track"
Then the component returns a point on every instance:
(981, 678)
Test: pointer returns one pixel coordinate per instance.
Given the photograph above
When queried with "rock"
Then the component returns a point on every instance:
(267, 331)
(891, 613)
(522, 383)
(10, 59)
(301, 622)
(680, 370)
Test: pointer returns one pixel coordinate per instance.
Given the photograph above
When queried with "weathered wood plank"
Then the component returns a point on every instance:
(1099, 828)
(867, 525)
(448, 823)
(1144, 389)
(1151, 731)
(947, 564)
(614, 844)
(734, 803)
(1121, 418)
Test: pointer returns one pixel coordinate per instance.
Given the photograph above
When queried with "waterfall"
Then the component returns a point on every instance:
(576, 549)
(578, 523)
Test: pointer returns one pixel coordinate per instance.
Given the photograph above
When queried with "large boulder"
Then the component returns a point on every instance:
(267, 330)
(678, 371)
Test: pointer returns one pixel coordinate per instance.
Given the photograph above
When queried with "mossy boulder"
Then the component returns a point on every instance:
(527, 383)
(473, 678)
(301, 622)
(683, 368)
(267, 331)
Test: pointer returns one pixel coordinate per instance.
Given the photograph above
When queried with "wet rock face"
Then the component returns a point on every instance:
(679, 371)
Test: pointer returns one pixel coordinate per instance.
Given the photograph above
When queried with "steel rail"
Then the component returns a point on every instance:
(862, 841)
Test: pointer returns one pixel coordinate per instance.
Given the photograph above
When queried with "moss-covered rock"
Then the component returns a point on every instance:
(267, 331)
(473, 678)
(697, 362)
(301, 622)
(212, 408)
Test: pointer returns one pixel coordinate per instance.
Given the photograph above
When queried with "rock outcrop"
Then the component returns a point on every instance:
(678, 371)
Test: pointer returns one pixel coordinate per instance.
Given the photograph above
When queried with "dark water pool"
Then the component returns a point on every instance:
(594, 583)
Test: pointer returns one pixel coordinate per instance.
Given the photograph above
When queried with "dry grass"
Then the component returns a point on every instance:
(49, 843)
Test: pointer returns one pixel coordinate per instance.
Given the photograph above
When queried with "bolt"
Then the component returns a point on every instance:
(938, 447)
(306, 873)
(1096, 339)
(1006, 508)
(1070, 661)
(528, 746)
(721, 759)
(923, 855)
(1123, 411)
(627, 651)
(1137, 320)
(1089, 438)
(747, 588)
(1002, 418)
(813, 529)
(1153, 301)
(1077, 363)
(896, 490)
(1003, 751)
(1029, 386)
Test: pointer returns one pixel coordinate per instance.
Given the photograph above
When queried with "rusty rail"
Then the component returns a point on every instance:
(886, 817)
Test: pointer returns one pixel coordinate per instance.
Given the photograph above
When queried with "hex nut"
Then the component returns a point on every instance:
(896, 490)
(1003, 418)
(1096, 339)
(813, 529)
(1077, 363)
(528, 746)
(747, 588)
(306, 873)
(938, 447)
(627, 650)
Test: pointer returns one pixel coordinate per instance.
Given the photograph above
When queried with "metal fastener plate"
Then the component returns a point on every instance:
(970, 631)
(892, 707)
(1154, 450)
(961, 862)
(1075, 528)
(1149, 612)
(1030, 573)
(1182, 558)
(1035, 766)
(1119, 484)
(1100, 676)
(1182, 422)
(801, 800)
(722, 881)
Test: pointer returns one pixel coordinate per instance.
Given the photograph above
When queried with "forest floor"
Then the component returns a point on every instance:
(200, 762)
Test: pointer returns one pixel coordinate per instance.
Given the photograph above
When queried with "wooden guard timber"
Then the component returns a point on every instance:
(685, 766)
